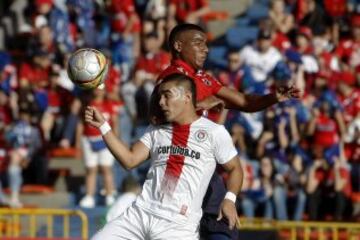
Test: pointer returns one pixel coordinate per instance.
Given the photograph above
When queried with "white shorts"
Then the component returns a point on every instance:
(92, 159)
(137, 224)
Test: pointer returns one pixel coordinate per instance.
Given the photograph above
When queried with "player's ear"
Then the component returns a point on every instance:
(188, 96)
(177, 46)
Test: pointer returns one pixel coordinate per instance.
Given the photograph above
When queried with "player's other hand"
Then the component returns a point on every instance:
(284, 93)
(228, 210)
(93, 117)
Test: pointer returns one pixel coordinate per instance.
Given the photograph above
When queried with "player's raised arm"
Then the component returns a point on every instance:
(128, 158)
(252, 103)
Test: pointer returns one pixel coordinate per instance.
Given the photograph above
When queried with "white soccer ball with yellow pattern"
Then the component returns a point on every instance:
(87, 68)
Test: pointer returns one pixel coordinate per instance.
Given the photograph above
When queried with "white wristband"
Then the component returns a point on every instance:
(230, 196)
(105, 128)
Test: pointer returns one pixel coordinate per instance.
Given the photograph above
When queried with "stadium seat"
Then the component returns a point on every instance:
(237, 37)
(242, 21)
(64, 152)
(257, 12)
(264, 2)
(217, 56)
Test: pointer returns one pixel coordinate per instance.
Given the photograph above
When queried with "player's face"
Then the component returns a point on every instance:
(172, 100)
(193, 48)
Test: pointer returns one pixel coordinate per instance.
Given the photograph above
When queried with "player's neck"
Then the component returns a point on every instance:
(188, 65)
(187, 119)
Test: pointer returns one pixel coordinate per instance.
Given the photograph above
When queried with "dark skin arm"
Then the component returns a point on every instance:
(249, 103)
(246, 103)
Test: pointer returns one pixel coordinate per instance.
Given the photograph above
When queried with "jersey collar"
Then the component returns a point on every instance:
(186, 67)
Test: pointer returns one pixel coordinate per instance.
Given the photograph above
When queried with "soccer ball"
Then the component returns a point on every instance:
(87, 68)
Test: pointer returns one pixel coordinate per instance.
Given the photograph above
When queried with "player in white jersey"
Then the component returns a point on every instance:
(184, 153)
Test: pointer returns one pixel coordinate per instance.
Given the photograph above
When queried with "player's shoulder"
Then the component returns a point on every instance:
(210, 126)
(171, 69)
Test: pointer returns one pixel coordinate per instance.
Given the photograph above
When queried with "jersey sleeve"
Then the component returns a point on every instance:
(224, 148)
(147, 138)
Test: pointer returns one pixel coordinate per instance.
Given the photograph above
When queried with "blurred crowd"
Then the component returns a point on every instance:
(301, 157)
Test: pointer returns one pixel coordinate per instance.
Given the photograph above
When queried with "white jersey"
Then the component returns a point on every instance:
(183, 159)
(261, 63)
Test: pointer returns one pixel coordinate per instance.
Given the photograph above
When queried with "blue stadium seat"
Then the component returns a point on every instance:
(242, 21)
(217, 56)
(237, 37)
(257, 12)
(264, 2)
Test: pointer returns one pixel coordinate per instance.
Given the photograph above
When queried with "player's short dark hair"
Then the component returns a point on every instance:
(177, 30)
(182, 80)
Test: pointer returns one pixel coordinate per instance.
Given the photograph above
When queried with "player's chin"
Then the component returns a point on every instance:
(200, 63)
(168, 117)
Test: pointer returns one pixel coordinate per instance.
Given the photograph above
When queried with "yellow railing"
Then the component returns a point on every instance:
(294, 230)
(19, 223)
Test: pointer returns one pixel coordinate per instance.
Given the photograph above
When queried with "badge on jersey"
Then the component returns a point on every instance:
(201, 135)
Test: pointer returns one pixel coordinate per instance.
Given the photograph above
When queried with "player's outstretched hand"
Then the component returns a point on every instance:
(284, 93)
(228, 210)
(93, 117)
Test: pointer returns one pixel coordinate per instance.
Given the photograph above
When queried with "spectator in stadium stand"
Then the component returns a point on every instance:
(294, 61)
(94, 150)
(5, 122)
(153, 60)
(42, 13)
(262, 57)
(315, 87)
(44, 41)
(237, 75)
(155, 11)
(24, 141)
(326, 126)
(254, 196)
(313, 16)
(8, 79)
(102, 31)
(348, 49)
(340, 180)
(349, 95)
(57, 98)
(55, 15)
(36, 72)
(286, 134)
(186, 11)
(353, 6)
(316, 185)
(264, 193)
(295, 179)
(304, 47)
(283, 21)
(177, 98)
(337, 12)
(323, 51)
(352, 151)
(125, 25)
(81, 15)
(279, 40)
